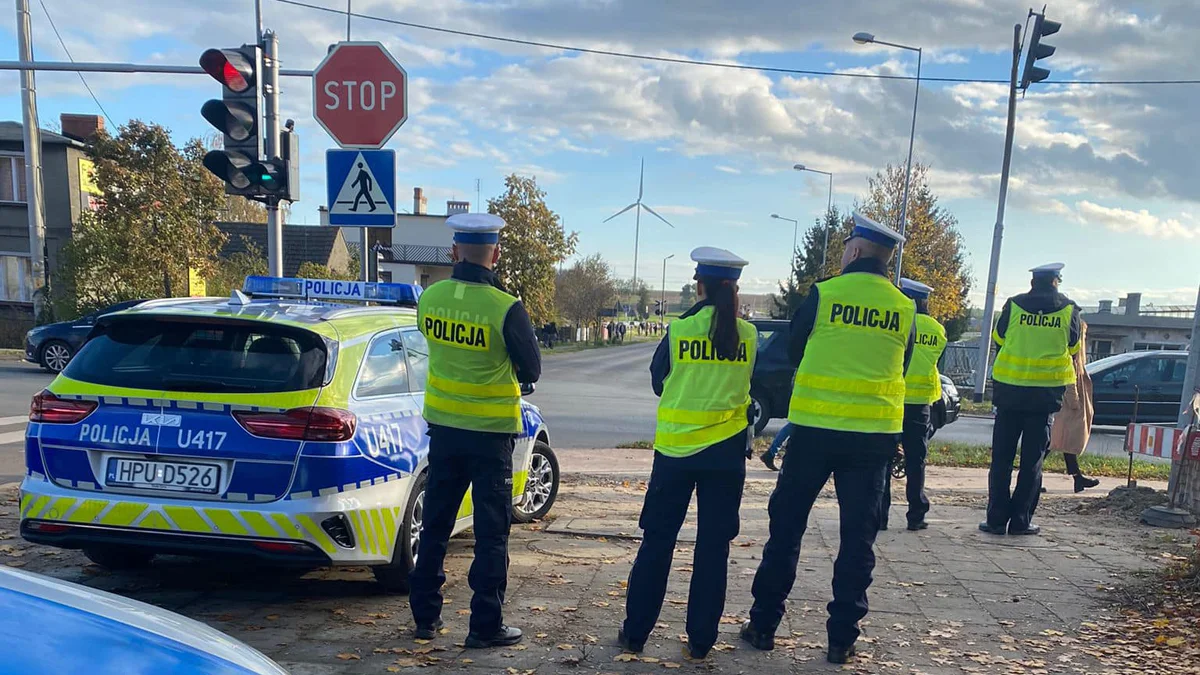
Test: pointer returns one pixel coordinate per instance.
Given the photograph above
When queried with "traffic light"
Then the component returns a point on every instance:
(237, 116)
(1037, 51)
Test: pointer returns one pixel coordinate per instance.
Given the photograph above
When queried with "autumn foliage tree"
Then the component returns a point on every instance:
(532, 245)
(154, 222)
(585, 288)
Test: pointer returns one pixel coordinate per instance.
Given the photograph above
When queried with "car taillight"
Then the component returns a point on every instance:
(301, 424)
(47, 528)
(282, 547)
(48, 408)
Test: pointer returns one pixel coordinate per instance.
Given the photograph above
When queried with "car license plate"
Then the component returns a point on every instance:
(158, 475)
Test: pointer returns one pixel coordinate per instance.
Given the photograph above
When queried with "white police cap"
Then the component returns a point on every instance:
(915, 289)
(1053, 269)
(476, 228)
(717, 262)
(872, 231)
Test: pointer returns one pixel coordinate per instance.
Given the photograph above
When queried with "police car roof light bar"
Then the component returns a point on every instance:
(328, 289)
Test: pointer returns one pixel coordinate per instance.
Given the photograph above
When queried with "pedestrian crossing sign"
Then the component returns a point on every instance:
(361, 187)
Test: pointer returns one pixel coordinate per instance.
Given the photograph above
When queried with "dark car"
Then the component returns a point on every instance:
(1154, 380)
(52, 346)
(771, 382)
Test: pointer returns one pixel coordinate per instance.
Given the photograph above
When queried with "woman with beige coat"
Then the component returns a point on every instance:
(1073, 425)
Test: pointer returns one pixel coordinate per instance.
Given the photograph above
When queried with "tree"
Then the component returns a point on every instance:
(687, 296)
(532, 245)
(229, 273)
(154, 221)
(584, 289)
(808, 269)
(314, 270)
(643, 303)
(934, 252)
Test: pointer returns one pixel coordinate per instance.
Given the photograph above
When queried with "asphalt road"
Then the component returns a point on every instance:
(19, 381)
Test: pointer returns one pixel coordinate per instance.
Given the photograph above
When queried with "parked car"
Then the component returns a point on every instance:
(53, 345)
(1153, 380)
(771, 382)
(53, 626)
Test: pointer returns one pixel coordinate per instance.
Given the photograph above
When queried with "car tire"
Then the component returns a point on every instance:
(761, 413)
(55, 356)
(541, 485)
(123, 558)
(394, 575)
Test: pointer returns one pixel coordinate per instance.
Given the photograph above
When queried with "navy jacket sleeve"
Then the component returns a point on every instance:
(1075, 328)
(660, 365)
(1002, 322)
(522, 344)
(802, 326)
(908, 349)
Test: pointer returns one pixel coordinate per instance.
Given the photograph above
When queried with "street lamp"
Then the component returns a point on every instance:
(867, 38)
(795, 232)
(828, 209)
(662, 303)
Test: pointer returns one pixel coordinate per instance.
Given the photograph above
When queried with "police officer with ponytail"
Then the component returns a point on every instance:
(1038, 334)
(481, 347)
(852, 340)
(701, 370)
(922, 387)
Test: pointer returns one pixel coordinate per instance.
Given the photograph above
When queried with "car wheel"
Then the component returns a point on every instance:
(760, 414)
(394, 575)
(56, 354)
(541, 486)
(118, 558)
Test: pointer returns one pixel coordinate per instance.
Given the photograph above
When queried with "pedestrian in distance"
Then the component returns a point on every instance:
(1038, 334)
(922, 386)
(1072, 426)
(701, 370)
(852, 340)
(482, 346)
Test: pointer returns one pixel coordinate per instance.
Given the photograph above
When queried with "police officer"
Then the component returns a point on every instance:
(701, 370)
(481, 346)
(852, 339)
(1037, 333)
(922, 387)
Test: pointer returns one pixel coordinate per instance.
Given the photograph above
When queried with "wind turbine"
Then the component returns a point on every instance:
(638, 220)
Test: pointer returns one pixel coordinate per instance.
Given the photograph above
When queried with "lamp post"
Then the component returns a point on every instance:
(662, 302)
(828, 209)
(867, 38)
(795, 232)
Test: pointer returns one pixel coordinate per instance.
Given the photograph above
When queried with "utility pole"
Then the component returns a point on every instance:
(989, 304)
(271, 96)
(364, 234)
(39, 274)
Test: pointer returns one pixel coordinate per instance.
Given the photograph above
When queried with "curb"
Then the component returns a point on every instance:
(12, 354)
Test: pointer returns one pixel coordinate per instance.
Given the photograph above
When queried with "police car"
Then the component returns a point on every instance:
(283, 423)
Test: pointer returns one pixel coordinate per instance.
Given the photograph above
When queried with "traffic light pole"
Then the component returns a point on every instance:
(989, 303)
(38, 280)
(271, 97)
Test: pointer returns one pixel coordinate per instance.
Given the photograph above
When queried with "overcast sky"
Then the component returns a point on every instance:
(1104, 177)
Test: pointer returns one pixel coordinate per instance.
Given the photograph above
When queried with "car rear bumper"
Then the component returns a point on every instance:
(353, 527)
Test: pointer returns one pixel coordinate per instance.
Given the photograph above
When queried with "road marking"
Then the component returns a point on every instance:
(18, 419)
(12, 437)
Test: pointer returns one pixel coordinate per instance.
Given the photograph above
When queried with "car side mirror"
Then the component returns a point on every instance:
(526, 388)
(1119, 381)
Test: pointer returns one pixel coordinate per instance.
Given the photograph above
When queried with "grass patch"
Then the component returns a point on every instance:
(980, 456)
(571, 347)
(970, 407)
(636, 445)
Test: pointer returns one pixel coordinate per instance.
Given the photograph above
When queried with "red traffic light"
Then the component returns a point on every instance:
(230, 67)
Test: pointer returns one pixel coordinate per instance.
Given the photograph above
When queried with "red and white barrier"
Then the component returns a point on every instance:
(1154, 441)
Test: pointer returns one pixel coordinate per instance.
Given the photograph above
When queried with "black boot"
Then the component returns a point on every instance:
(504, 637)
(839, 654)
(769, 461)
(1082, 482)
(629, 645)
(427, 631)
(758, 640)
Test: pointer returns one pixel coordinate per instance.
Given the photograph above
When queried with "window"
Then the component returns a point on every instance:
(418, 358)
(12, 178)
(384, 370)
(1101, 348)
(1155, 347)
(15, 271)
(1120, 375)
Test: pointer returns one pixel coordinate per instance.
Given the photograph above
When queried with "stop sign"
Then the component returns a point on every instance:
(360, 94)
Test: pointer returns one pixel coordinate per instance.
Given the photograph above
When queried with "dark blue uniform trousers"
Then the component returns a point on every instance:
(458, 459)
(1032, 429)
(717, 475)
(915, 440)
(858, 464)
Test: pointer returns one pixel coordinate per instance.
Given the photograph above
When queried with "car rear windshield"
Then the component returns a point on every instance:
(200, 356)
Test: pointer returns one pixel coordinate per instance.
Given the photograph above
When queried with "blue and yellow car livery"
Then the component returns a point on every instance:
(274, 424)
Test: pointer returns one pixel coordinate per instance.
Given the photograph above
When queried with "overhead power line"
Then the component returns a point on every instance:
(700, 62)
(72, 60)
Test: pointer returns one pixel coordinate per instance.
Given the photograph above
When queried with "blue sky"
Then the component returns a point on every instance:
(1101, 176)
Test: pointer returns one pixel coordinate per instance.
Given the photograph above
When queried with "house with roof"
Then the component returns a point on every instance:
(301, 243)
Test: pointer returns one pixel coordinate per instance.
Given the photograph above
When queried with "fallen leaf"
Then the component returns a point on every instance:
(625, 657)
(670, 664)
(466, 661)
(542, 635)
(649, 659)
(1175, 641)
(537, 608)
(600, 603)
(564, 647)
(421, 642)
(463, 612)
(570, 609)
(443, 631)
(349, 657)
(272, 617)
(393, 669)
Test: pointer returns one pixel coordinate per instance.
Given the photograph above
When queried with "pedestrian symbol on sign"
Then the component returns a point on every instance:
(364, 184)
(361, 187)
(360, 190)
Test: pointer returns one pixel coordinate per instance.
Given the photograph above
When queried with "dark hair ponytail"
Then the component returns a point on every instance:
(724, 331)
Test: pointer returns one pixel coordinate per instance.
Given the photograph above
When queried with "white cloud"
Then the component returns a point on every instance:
(676, 210)
(727, 169)
(1138, 222)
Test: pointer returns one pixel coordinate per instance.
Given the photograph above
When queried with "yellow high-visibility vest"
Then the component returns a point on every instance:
(923, 382)
(1035, 350)
(852, 374)
(471, 383)
(704, 397)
